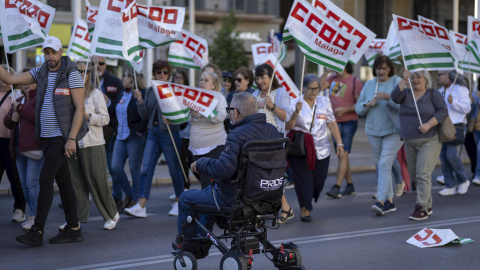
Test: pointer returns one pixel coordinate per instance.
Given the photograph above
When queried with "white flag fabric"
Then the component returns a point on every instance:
(79, 47)
(473, 33)
(346, 22)
(109, 37)
(392, 46)
(260, 52)
(282, 76)
(318, 37)
(375, 49)
(201, 100)
(426, 20)
(432, 238)
(159, 25)
(468, 62)
(190, 52)
(276, 47)
(25, 23)
(92, 13)
(131, 47)
(425, 46)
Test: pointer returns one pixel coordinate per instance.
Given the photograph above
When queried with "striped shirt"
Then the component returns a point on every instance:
(49, 126)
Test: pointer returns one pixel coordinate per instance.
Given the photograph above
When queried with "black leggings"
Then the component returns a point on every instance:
(8, 165)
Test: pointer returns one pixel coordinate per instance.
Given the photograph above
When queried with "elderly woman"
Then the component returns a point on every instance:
(375, 103)
(421, 139)
(312, 115)
(458, 104)
(243, 78)
(158, 142)
(89, 171)
(207, 135)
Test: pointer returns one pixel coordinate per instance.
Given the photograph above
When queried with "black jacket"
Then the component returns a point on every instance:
(112, 87)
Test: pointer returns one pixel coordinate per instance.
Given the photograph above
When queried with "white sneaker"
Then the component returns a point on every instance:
(18, 216)
(174, 211)
(111, 223)
(476, 181)
(448, 191)
(463, 188)
(136, 211)
(173, 197)
(27, 225)
(61, 227)
(399, 190)
(441, 180)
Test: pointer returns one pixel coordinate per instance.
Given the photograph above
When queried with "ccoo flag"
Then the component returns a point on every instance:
(468, 63)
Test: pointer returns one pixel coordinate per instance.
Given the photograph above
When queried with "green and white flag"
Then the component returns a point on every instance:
(392, 46)
(116, 32)
(349, 24)
(468, 62)
(190, 52)
(25, 23)
(473, 33)
(159, 26)
(276, 50)
(375, 49)
(318, 37)
(92, 13)
(425, 46)
(170, 99)
(79, 47)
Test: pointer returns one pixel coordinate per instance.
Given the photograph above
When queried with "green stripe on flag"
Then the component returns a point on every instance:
(372, 58)
(179, 120)
(315, 60)
(134, 49)
(79, 46)
(430, 65)
(474, 52)
(20, 36)
(176, 112)
(467, 63)
(26, 44)
(310, 50)
(153, 44)
(78, 53)
(427, 55)
(184, 65)
(181, 58)
(110, 41)
(107, 51)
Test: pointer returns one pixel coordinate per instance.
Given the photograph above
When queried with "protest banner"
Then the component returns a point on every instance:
(92, 13)
(468, 61)
(375, 49)
(260, 51)
(392, 46)
(282, 76)
(25, 23)
(425, 46)
(349, 24)
(473, 33)
(318, 37)
(178, 98)
(109, 38)
(432, 238)
(79, 46)
(190, 52)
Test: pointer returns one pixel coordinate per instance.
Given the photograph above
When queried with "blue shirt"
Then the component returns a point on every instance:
(122, 117)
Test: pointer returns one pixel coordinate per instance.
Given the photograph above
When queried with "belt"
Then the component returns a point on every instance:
(155, 123)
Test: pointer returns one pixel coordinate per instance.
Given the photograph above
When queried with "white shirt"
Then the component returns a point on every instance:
(460, 105)
(323, 115)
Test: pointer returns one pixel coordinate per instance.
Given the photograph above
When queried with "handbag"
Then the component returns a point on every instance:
(33, 154)
(446, 130)
(297, 147)
(393, 115)
(459, 137)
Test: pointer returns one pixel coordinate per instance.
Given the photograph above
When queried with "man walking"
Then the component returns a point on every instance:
(60, 123)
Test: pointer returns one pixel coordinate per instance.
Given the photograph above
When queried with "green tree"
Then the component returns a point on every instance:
(227, 52)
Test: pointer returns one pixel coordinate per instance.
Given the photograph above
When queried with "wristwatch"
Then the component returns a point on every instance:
(273, 108)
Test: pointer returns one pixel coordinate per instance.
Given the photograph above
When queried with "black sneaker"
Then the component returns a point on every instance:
(67, 235)
(419, 214)
(377, 208)
(32, 238)
(334, 192)
(389, 207)
(349, 190)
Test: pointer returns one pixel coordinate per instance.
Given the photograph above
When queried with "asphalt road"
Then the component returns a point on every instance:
(343, 234)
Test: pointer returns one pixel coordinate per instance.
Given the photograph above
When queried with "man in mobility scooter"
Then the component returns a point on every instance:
(246, 192)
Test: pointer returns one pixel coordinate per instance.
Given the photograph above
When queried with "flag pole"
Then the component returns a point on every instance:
(134, 75)
(176, 151)
(303, 74)
(274, 69)
(97, 78)
(8, 67)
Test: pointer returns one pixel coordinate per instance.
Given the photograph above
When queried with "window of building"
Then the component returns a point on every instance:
(376, 17)
(60, 5)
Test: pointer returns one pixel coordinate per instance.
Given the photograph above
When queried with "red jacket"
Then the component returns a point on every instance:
(27, 142)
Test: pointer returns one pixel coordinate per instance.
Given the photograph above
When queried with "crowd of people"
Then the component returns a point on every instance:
(76, 123)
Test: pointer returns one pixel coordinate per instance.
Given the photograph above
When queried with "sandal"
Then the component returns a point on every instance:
(289, 215)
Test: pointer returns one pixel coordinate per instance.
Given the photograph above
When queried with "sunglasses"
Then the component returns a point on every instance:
(162, 72)
(238, 79)
(231, 109)
(101, 63)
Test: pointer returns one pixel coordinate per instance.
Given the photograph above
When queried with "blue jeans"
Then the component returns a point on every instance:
(397, 171)
(476, 136)
(385, 151)
(117, 189)
(159, 141)
(131, 148)
(347, 131)
(29, 173)
(185, 209)
(452, 165)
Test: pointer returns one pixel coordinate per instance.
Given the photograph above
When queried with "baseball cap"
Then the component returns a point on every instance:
(52, 42)
(227, 74)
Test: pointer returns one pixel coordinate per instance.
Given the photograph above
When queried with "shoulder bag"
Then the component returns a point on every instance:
(297, 147)
(446, 130)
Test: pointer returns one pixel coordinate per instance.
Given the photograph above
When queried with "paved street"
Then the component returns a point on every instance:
(344, 234)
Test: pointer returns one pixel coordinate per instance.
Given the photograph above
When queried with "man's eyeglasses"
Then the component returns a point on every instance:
(162, 72)
(313, 89)
(231, 109)
(101, 63)
(238, 79)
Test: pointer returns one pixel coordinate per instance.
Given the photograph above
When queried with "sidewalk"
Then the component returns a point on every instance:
(361, 160)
